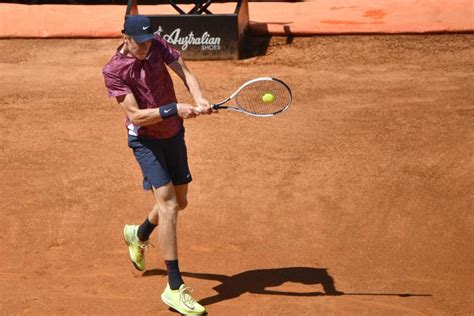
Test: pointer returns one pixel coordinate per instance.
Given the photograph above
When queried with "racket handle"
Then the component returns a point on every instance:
(218, 106)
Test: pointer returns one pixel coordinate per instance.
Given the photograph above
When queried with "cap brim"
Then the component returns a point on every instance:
(143, 38)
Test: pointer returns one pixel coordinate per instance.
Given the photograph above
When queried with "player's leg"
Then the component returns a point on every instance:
(169, 200)
(176, 297)
(150, 158)
(151, 221)
(176, 294)
(146, 228)
(167, 206)
(181, 192)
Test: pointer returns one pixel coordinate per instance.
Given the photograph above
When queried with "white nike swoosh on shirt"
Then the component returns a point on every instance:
(145, 27)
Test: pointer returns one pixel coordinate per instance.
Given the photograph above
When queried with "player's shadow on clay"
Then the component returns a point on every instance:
(257, 282)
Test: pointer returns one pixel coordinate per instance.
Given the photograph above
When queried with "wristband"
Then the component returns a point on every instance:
(168, 110)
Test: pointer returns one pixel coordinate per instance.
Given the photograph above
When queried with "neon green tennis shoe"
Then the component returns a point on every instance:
(136, 247)
(182, 301)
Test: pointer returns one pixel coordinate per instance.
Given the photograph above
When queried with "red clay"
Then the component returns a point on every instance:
(266, 18)
(363, 186)
(376, 14)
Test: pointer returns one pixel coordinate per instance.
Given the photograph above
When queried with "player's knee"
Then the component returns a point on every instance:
(182, 204)
(169, 211)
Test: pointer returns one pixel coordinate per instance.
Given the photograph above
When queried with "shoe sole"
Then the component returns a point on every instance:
(163, 298)
(129, 252)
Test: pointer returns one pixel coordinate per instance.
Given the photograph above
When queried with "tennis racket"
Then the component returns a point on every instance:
(262, 97)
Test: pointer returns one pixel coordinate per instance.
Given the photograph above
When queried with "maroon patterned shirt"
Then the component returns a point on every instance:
(150, 83)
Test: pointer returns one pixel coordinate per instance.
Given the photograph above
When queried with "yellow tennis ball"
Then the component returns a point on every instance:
(268, 97)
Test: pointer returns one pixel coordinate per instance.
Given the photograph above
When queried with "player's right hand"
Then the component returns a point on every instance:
(204, 105)
(187, 111)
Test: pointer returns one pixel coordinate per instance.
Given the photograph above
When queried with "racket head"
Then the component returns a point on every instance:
(263, 97)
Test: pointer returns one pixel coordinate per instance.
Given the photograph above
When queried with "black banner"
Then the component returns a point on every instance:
(207, 36)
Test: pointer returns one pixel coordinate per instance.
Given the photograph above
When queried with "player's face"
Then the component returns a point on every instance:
(139, 51)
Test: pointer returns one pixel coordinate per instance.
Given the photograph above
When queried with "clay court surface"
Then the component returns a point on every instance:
(365, 186)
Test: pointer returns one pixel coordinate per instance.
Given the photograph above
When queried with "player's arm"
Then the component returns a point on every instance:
(144, 117)
(192, 83)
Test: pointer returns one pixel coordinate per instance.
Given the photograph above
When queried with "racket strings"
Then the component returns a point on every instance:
(263, 97)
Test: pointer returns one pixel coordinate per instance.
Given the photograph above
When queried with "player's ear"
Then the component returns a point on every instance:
(126, 38)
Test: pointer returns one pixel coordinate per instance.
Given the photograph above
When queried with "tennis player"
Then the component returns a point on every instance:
(138, 78)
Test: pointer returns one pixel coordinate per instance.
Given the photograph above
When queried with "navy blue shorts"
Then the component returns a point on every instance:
(161, 160)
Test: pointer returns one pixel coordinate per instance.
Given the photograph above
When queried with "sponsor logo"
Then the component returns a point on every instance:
(205, 41)
(166, 111)
(188, 306)
(145, 27)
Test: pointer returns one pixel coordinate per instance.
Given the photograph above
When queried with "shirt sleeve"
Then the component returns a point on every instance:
(114, 84)
(169, 53)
